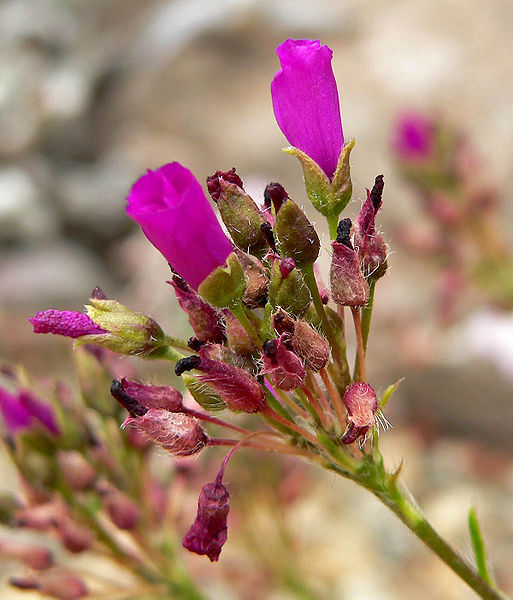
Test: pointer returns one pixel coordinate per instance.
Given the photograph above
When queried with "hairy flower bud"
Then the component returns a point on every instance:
(285, 369)
(361, 404)
(238, 211)
(297, 236)
(257, 279)
(209, 531)
(372, 249)
(154, 396)
(310, 345)
(348, 285)
(238, 388)
(240, 342)
(288, 289)
(128, 332)
(68, 323)
(179, 434)
(76, 470)
(204, 318)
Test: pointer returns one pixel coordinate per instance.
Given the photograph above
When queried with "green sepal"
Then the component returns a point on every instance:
(266, 329)
(225, 286)
(328, 197)
(127, 332)
(204, 394)
(297, 237)
(291, 294)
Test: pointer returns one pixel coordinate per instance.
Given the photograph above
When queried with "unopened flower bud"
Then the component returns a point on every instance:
(285, 369)
(56, 583)
(34, 556)
(288, 289)
(209, 531)
(40, 517)
(74, 537)
(239, 340)
(177, 433)
(154, 396)
(257, 279)
(275, 195)
(204, 318)
(310, 345)
(297, 236)
(361, 404)
(123, 511)
(225, 285)
(238, 388)
(238, 211)
(68, 323)
(77, 471)
(128, 332)
(372, 249)
(348, 285)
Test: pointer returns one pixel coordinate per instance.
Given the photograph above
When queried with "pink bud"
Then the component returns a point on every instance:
(40, 517)
(63, 585)
(361, 404)
(285, 369)
(238, 388)
(348, 285)
(154, 396)
(74, 537)
(209, 531)
(204, 318)
(121, 509)
(177, 433)
(77, 471)
(33, 555)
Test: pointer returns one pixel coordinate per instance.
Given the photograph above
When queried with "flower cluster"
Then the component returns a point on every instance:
(463, 230)
(266, 340)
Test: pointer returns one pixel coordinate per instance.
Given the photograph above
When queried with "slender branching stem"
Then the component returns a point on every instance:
(361, 375)
(335, 398)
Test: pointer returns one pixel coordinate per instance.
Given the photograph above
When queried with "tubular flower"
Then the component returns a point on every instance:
(175, 215)
(69, 323)
(306, 103)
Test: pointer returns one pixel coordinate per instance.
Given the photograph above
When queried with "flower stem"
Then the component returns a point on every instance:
(386, 488)
(360, 372)
(335, 398)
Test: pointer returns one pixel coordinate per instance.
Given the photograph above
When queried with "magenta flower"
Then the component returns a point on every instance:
(305, 101)
(175, 215)
(16, 417)
(414, 137)
(20, 410)
(69, 323)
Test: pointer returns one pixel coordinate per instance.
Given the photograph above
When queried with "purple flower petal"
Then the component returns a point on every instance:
(16, 417)
(306, 103)
(414, 137)
(64, 322)
(175, 215)
(42, 411)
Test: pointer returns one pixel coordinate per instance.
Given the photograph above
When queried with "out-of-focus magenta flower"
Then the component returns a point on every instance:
(69, 323)
(305, 101)
(175, 215)
(414, 137)
(19, 411)
(16, 417)
(39, 409)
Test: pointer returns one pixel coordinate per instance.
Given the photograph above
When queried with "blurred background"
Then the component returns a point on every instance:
(93, 93)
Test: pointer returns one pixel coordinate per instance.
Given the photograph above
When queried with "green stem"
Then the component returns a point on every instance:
(309, 276)
(385, 487)
(177, 343)
(332, 225)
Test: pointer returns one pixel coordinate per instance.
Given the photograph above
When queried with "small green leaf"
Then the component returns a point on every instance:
(478, 546)
(204, 394)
